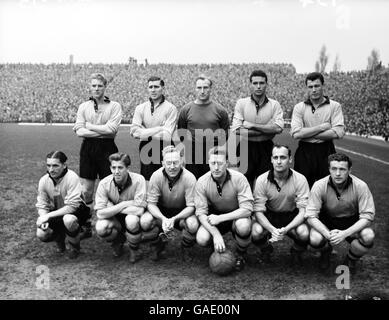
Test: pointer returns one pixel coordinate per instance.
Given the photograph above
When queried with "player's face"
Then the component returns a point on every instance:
(119, 171)
(97, 88)
(55, 167)
(172, 163)
(258, 86)
(218, 165)
(315, 89)
(203, 90)
(155, 90)
(339, 171)
(280, 159)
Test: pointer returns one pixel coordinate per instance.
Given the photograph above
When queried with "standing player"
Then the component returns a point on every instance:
(259, 119)
(224, 202)
(280, 198)
(170, 201)
(97, 122)
(198, 116)
(153, 124)
(341, 207)
(60, 205)
(119, 204)
(316, 122)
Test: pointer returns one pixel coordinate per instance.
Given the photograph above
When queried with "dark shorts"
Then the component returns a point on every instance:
(281, 219)
(121, 217)
(147, 169)
(339, 223)
(258, 159)
(225, 226)
(82, 214)
(169, 213)
(310, 159)
(198, 164)
(94, 155)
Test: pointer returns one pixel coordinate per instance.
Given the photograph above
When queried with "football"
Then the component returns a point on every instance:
(222, 263)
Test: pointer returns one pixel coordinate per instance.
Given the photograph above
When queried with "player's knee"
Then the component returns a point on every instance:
(192, 224)
(71, 222)
(44, 235)
(103, 228)
(367, 235)
(256, 230)
(302, 232)
(243, 227)
(132, 223)
(146, 221)
(203, 237)
(316, 239)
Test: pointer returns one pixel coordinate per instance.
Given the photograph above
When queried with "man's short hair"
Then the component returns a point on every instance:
(99, 76)
(203, 77)
(170, 149)
(119, 156)
(278, 146)
(258, 73)
(314, 76)
(155, 78)
(218, 150)
(339, 157)
(57, 155)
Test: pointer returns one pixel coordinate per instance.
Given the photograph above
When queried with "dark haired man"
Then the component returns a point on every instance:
(119, 204)
(316, 122)
(224, 203)
(97, 122)
(153, 124)
(258, 119)
(60, 205)
(341, 207)
(280, 198)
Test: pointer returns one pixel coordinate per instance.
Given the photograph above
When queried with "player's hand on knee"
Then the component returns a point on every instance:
(213, 219)
(41, 220)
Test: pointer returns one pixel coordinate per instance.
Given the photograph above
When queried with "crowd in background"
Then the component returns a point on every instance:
(28, 92)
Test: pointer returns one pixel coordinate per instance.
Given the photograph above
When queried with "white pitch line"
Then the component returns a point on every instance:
(363, 155)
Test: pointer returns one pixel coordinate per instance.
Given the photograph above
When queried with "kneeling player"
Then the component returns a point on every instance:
(224, 202)
(341, 207)
(171, 203)
(61, 208)
(120, 201)
(280, 198)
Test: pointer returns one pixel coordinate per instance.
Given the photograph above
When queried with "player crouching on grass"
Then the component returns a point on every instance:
(171, 205)
(341, 207)
(119, 203)
(280, 197)
(224, 202)
(61, 209)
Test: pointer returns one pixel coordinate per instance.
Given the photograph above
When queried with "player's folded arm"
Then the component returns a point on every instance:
(133, 210)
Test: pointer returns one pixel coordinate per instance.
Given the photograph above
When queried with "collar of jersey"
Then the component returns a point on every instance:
(126, 185)
(270, 178)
